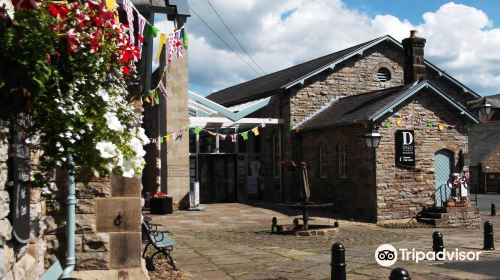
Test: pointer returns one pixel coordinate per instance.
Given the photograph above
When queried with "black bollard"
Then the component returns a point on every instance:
(338, 262)
(489, 243)
(273, 225)
(399, 274)
(437, 242)
(493, 209)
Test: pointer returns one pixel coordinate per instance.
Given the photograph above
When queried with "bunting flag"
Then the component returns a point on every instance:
(161, 140)
(163, 90)
(263, 125)
(141, 23)
(161, 42)
(212, 133)
(110, 5)
(441, 126)
(429, 123)
(150, 31)
(157, 99)
(255, 131)
(222, 137)
(127, 6)
(153, 140)
(184, 38)
(197, 130)
(167, 137)
(244, 135)
(233, 138)
(398, 122)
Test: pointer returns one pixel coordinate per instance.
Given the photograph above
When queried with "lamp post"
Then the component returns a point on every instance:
(372, 140)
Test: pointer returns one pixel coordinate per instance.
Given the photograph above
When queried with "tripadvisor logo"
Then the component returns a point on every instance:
(387, 255)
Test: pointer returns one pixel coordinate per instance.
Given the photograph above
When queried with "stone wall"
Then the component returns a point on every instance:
(353, 195)
(21, 261)
(100, 244)
(401, 192)
(353, 77)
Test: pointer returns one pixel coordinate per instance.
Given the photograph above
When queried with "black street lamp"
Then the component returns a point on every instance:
(372, 138)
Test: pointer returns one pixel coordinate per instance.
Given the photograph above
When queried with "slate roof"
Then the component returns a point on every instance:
(483, 142)
(269, 84)
(371, 106)
(281, 80)
(352, 109)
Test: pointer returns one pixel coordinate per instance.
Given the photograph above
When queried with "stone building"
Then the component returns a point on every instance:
(328, 104)
(484, 145)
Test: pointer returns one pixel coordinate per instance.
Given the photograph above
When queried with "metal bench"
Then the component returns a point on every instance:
(160, 240)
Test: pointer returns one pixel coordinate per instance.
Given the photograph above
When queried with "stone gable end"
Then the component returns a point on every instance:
(358, 75)
(401, 192)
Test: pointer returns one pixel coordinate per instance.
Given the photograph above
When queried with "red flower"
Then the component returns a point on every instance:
(125, 70)
(58, 11)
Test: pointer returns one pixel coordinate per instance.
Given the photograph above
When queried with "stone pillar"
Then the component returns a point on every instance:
(178, 121)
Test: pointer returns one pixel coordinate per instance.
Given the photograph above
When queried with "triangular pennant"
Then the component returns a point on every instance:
(178, 137)
(157, 98)
(161, 139)
(233, 138)
(127, 6)
(255, 131)
(212, 133)
(263, 125)
(244, 135)
(150, 31)
(161, 42)
(197, 130)
(110, 5)
(167, 137)
(140, 33)
(222, 137)
(184, 38)
(429, 123)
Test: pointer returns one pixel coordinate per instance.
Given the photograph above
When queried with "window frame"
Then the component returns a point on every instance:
(323, 166)
(342, 160)
(276, 154)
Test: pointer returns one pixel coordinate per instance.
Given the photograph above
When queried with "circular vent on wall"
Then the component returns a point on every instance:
(383, 75)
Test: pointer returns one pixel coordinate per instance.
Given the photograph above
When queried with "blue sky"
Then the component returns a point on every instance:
(463, 37)
(413, 10)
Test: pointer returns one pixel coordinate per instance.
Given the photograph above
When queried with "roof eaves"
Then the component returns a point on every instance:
(414, 89)
(225, 111)
(331, 65)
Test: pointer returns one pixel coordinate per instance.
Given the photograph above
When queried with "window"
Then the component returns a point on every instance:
(383, 75)
(342, 161)
(322, 161)
(276, 154)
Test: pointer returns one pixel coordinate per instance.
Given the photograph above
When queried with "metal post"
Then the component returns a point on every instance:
(305, 216)
(399, 274)
(489, 242)
(273, 225)
(493, 209)
(338, 262)
(71, 222)
(437, 242)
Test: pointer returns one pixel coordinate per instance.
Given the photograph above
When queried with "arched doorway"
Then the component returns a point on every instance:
(443, 167)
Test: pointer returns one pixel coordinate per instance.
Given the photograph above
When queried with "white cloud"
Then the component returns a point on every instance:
(460, 39)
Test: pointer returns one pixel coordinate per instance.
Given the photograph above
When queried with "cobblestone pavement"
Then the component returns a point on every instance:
(233, 241)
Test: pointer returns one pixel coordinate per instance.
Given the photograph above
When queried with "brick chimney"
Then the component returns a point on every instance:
(414, 68)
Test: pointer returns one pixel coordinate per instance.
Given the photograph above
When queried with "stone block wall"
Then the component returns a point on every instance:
(353, 77)
(402, 192)
(353, 195)
(21, 261)
(100, 243)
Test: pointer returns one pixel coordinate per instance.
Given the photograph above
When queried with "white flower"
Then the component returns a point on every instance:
(78, 137)
(128, 168)
(89, 125)
(141, 134)
(107, 149)
(136, 146)
(104, 95)
(58, 144)
(61, 149)
(113, 122)
(72, 141)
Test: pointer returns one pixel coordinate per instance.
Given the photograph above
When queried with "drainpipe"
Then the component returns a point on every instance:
(70, 223)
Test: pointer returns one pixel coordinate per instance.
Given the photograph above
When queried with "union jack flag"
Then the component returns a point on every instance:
(128, 7)
(140, 37)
